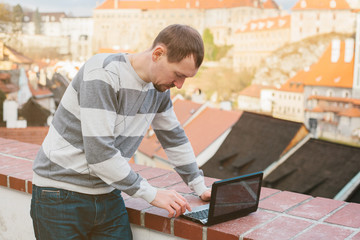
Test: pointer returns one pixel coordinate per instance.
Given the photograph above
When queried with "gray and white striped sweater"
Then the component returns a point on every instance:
(99, 124)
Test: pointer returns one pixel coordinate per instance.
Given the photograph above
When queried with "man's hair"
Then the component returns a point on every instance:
(181, 41)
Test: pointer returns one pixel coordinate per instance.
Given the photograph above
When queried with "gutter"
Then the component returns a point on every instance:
(277, 163)
(349, 188)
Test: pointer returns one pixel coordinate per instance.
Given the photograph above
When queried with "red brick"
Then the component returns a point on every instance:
(283, 201)
(316, 208)
(209, 181)
(5, 140)
(3, 180)
(187, 229)
(281, 228)
(322, 231)
(18, 181)
(181, 188)
(138, 167)
(24, 167)
(356, 237)
(6, 162)
(194, 201)
(347, 216)
(157, 219)
(166, 180)
(134, 206)
(17, 184)
(266, 192)
(234, 228)
(150, 173)
(31, 155)
(29, 184)
(28, 152)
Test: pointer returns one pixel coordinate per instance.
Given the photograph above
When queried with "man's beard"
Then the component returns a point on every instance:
(163, 88)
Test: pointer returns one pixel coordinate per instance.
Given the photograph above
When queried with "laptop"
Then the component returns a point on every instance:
(230, 198)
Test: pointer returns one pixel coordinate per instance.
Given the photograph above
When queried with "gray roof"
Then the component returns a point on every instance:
(318, 168)
(255, 142)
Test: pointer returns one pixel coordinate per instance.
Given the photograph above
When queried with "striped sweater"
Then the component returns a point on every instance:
(99, 124)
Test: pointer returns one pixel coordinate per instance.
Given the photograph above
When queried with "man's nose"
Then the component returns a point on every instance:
(179, 83)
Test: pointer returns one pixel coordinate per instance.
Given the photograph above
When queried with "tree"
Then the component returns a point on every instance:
(5, 12)
(212, 51)
(209, 45)
(17, 18)
(37, 21)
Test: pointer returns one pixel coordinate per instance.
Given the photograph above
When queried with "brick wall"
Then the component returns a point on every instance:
(281, 214)
(33, 135)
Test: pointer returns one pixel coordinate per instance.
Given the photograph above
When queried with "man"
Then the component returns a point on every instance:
(82, 166)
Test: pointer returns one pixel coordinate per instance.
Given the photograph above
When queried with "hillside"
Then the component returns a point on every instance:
(286, 61)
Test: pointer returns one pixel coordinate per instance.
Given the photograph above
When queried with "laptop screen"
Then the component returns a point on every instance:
(235, 197)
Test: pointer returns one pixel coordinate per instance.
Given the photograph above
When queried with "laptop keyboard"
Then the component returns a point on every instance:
(203, 214)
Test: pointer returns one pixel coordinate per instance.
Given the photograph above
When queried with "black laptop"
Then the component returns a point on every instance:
(230, 198)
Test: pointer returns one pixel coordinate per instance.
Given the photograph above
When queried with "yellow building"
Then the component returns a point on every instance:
(133, 24)
(313, 17)
(258, 39)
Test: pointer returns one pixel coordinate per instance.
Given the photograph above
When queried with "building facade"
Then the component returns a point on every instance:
(258, 39)
(313, 17)
(132, 25)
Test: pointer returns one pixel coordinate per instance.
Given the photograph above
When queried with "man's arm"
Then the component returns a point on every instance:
(178, 148)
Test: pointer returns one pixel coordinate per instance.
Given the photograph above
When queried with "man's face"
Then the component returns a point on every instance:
(167, 75)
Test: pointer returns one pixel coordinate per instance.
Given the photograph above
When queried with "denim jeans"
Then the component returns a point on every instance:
(60, 214)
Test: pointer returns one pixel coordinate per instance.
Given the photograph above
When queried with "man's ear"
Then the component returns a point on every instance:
(158, 52)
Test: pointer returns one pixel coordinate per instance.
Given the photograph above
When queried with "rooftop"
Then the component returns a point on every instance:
(266, 24)
(321, 4)
(187, 4)
(254, 143)
(314, 169)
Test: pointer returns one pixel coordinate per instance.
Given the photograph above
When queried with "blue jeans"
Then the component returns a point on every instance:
(60, 214)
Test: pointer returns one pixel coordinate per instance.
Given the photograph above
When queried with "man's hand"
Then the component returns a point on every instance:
(171, 201)
(206, 196)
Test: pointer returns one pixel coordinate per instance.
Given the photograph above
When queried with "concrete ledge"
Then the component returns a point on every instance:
(281, 214)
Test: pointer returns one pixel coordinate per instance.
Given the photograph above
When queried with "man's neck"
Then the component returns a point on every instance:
(140, 63)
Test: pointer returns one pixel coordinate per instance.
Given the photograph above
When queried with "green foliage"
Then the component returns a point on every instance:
(212, 51)
(37, 21)
(17, 18)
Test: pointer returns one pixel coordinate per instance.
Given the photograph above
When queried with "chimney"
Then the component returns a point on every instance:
(116, 4)
(335, 50)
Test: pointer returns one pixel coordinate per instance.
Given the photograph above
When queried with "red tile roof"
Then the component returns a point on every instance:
(294, 84)
(265, 24)
(254, 90)
(40, 91)
(184, 109)
(181, 4)
(15, 56)
(8, 88)
(350, 112)
(321, 4)
(202, 131)
(209, 125)
(331, 74)
(354, 101)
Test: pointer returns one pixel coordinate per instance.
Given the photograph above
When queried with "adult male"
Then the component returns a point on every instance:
(104, 114)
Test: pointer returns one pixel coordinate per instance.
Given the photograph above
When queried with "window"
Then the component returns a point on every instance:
(329, 93)
(346, 94)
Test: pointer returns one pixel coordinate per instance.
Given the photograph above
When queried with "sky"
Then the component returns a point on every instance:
(85, 7)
